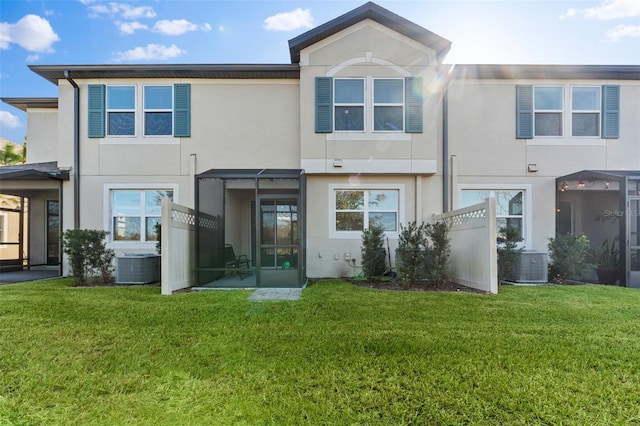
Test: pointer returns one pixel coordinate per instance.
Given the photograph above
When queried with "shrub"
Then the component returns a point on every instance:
(413, 251)
(88, 254)
(568, 256)
(373, 254)
(438, 256)
(508, 252)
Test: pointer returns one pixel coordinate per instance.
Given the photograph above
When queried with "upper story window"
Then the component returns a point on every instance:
(585, 111)
(121, 110)
(349, 104)
(114, 110)
(548, 110)
(158, 110)
(594, 111)
(388, 104)
(369, 105)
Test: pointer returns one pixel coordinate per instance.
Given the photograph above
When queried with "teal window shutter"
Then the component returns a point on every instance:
(324, 104)
(611, 112)
(413, 111)
(524, 112)
(96, 114)
(182, 110)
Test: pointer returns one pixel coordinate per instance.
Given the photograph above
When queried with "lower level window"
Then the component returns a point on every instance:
(509, 206)
(136, 212)
(356, 210)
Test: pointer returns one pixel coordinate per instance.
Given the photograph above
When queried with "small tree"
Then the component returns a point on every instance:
(413, 248)
(87, 253)
(508, 252)
(438, 264)
(568, 256)
(373, 254)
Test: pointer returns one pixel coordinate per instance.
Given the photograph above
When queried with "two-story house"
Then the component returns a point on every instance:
(288, 163)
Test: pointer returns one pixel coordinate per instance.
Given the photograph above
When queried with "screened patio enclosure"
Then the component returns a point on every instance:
(256, 216)
(603, 205)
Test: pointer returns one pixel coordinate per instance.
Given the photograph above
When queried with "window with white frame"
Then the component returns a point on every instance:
(585, 111)
(121, 110)
(388, 104)
(547, 101)
(135, 213)
(358, 209)
(349, 104)
(510, 211)
(158, 110)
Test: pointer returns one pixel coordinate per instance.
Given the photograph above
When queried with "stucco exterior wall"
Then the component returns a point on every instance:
(482, 137)
(42, 135)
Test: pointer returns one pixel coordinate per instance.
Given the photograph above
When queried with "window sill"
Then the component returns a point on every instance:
(368, 136)
(587, 141)
(147, 140)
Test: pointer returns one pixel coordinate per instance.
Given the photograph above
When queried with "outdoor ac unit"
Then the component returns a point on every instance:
(137, 269)
(532, 267)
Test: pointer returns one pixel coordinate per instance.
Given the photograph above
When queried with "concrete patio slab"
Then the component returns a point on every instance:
(263, 294)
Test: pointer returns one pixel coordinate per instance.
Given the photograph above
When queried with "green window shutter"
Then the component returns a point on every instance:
(524, 112)
(96, 114)
(324, 104)
(182, 110)
(413, 104)
(611, 112)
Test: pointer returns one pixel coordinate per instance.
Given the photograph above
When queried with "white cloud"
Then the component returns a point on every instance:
(623, 31)
(609, 9)
(175, 27)
(149, 53)
(33, 58)
(9, 121)
(32, 32)
(123, 10)
(130, 27)
(288, 21)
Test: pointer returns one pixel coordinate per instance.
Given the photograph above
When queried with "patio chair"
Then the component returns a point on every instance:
(236, 264)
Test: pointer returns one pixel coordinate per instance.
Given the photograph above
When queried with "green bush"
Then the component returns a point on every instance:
(438, 255)
(88, 255)
(508, 252)
(413, 252)
(568, 255)
(373, 254)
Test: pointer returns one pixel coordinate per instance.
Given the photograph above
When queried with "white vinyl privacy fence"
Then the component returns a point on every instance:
(474, 260)
(178, 247)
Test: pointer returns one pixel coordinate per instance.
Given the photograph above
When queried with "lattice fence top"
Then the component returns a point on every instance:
(467, 217)
(179, 216)
(209, 222)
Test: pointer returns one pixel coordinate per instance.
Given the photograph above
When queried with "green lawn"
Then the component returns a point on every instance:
(342, 355)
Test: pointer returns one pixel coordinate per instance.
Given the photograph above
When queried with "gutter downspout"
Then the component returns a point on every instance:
(76, 150)
(445, 151)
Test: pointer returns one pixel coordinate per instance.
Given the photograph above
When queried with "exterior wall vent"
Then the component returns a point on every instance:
(137, 269)
(532, 267)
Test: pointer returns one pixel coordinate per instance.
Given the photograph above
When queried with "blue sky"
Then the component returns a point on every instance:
(58, 32)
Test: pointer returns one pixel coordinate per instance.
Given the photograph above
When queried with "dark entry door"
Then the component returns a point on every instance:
(53, 233)
(279, 241)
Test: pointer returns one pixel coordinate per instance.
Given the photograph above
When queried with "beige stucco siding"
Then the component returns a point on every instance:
(42, 135)
(487, 153)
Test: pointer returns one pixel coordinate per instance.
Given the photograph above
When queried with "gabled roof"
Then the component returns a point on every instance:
(33, 171)
(378, 14)
(24, 103)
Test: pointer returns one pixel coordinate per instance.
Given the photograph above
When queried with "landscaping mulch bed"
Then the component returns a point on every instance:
(396, 285)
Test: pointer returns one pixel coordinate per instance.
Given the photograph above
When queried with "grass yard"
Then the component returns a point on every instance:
(342, 355)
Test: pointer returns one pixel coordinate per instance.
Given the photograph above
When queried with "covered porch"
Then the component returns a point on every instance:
(605, 206)
(30, 215)
(250, 228)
